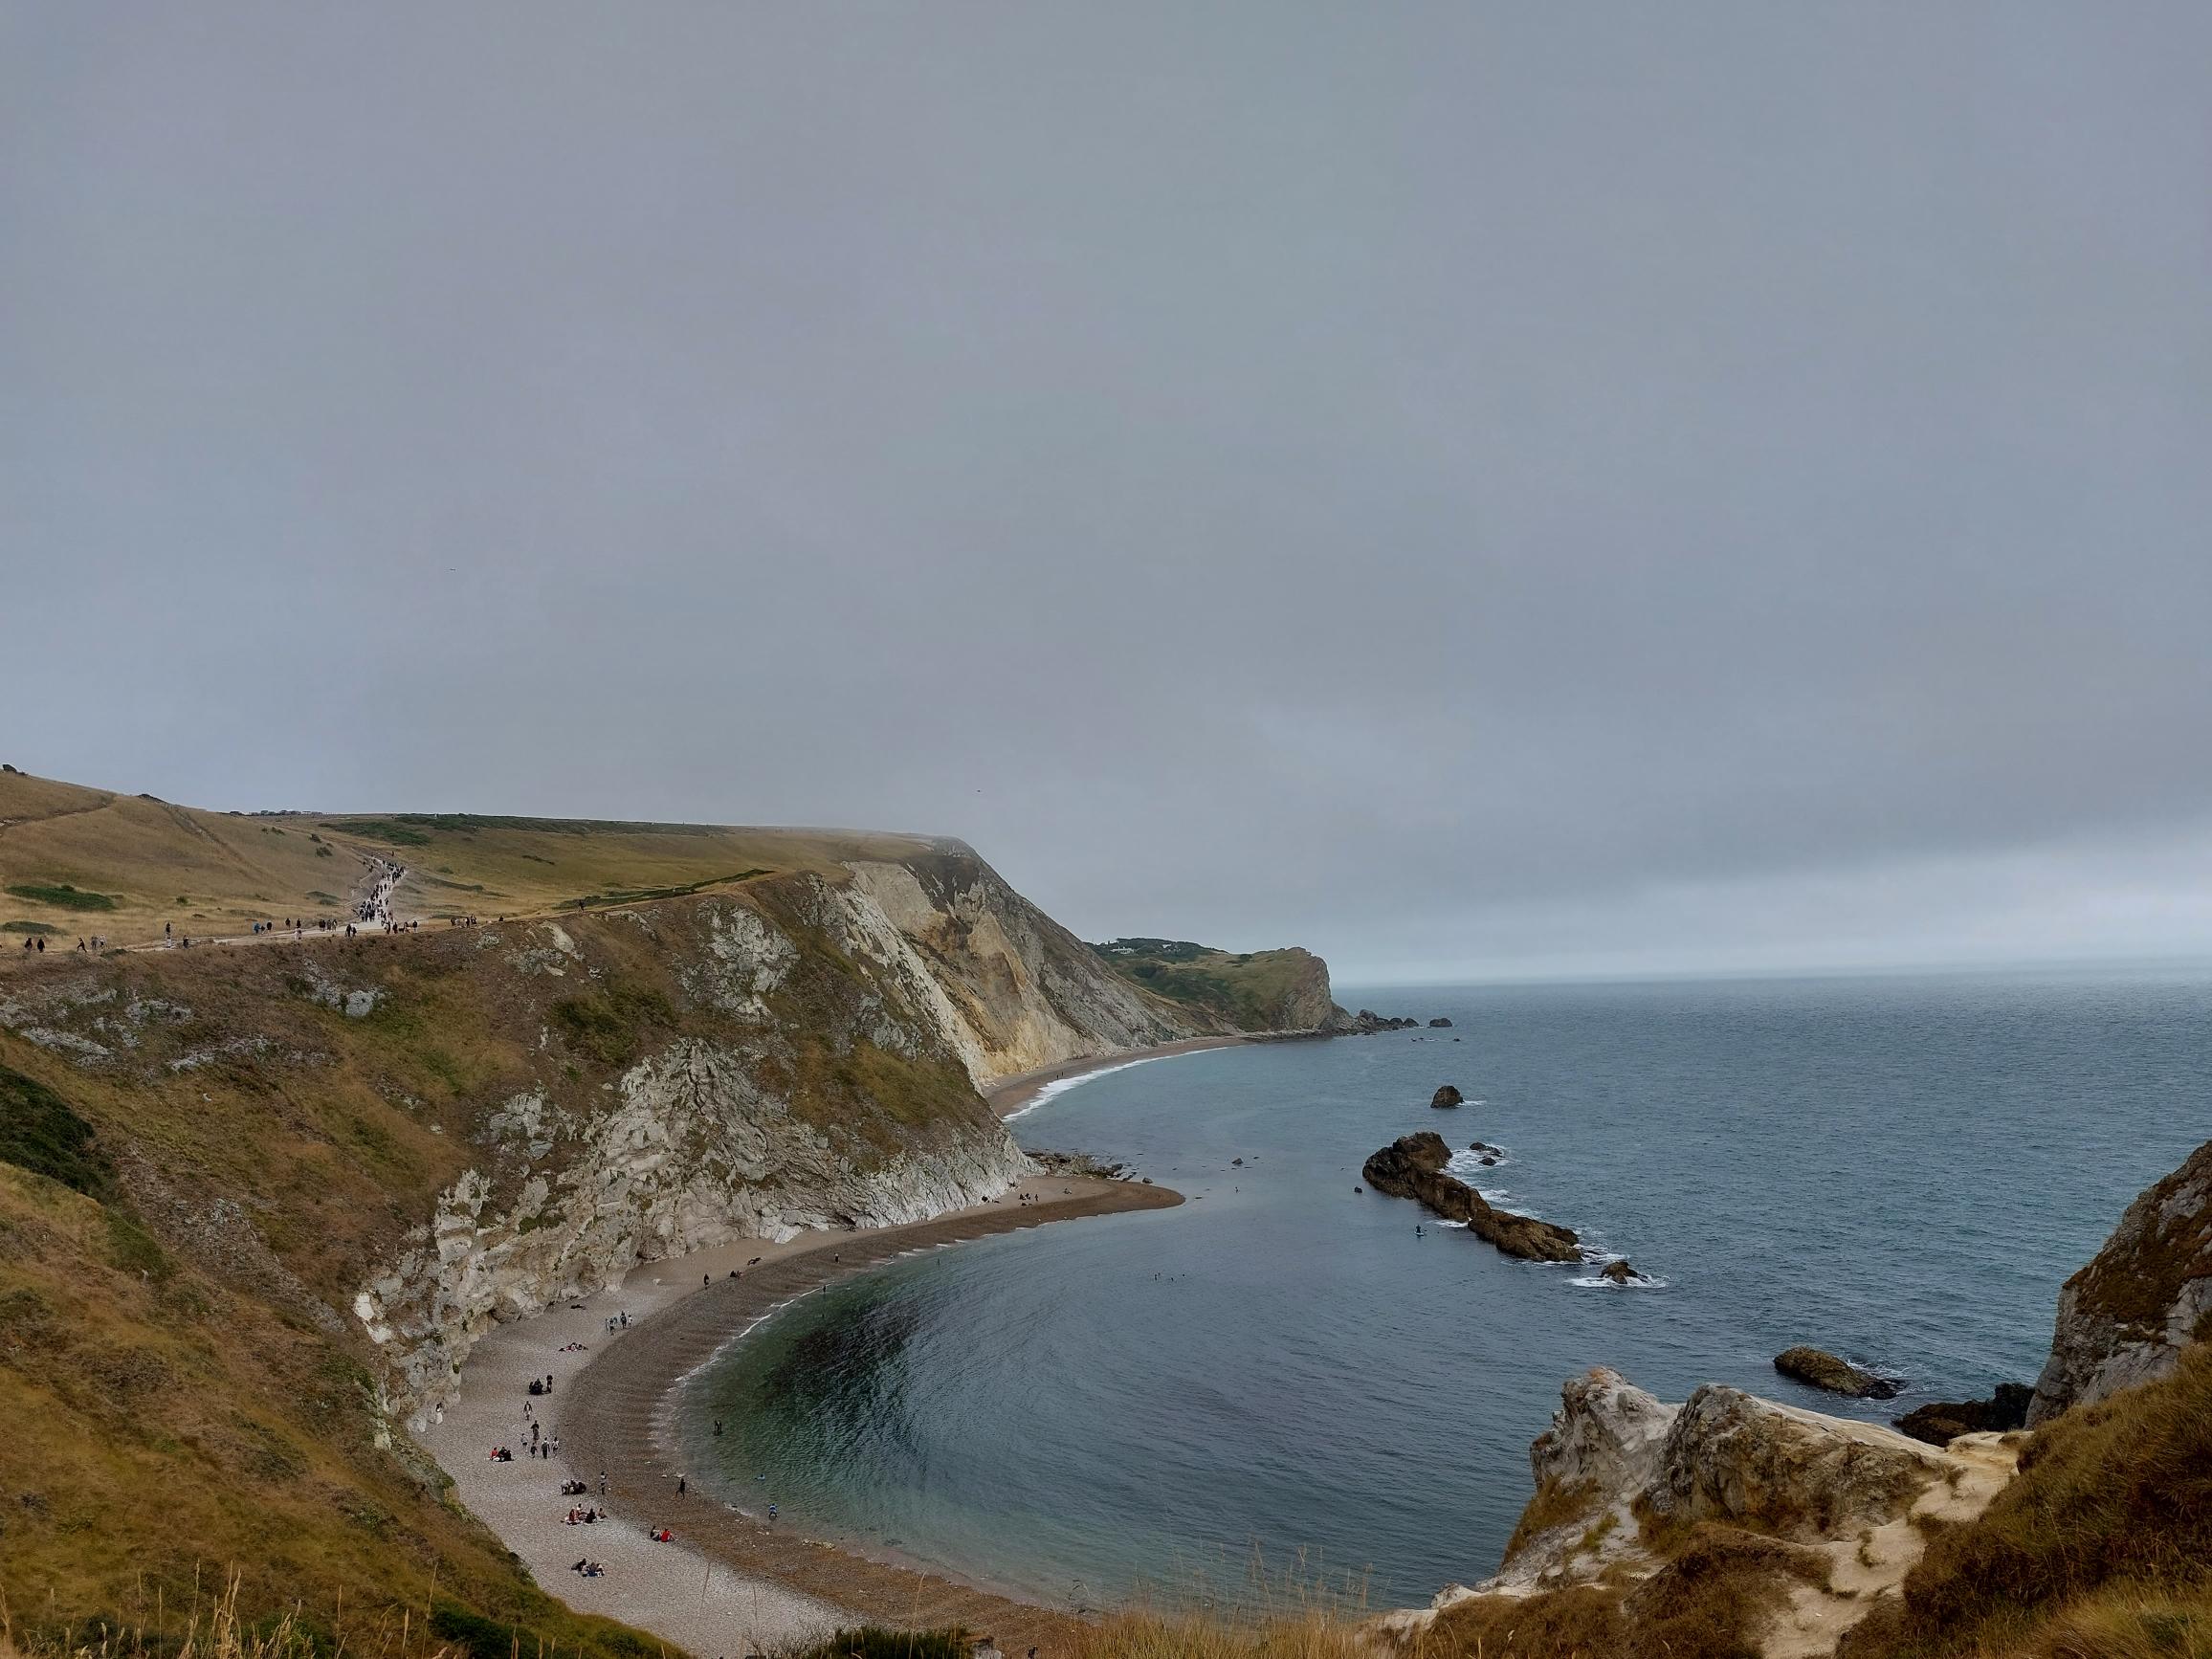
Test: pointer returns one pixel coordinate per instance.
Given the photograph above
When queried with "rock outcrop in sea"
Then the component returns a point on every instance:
(1366, 1023)
(1447, 1096)
(2126, 1317)
(1817, 1369)
(1413, 1166)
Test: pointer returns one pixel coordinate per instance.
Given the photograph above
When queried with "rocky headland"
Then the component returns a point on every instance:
(1413, 1166)
(1731, 1524)
(2145, 1296)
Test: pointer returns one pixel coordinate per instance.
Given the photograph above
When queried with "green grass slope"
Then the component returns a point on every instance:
(1267, 990)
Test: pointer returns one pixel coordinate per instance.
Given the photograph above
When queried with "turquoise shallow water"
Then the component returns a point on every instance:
(1903, 1170)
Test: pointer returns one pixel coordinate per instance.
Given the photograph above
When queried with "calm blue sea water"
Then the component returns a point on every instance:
(1899, 1169)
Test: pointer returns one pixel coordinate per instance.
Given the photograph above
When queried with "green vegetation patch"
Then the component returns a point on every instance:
(642, 895)
(132, 1250)
(458, 886)
(26, 927)
(1252, 990)
(40, 1131)
(382, 830)
(61, 895)
(875, 1642)
(609, 1026)
(468, 823)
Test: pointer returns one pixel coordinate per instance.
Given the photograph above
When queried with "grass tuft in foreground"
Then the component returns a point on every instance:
(219, 1631)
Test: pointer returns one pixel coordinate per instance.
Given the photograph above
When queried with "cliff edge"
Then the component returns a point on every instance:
(2146, 1295)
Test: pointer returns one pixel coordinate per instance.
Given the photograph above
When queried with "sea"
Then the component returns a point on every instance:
(1294, 1380)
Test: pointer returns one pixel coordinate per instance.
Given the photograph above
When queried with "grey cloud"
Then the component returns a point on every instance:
(1464, 488)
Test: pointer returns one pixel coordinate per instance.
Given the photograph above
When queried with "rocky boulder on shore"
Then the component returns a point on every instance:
(1413, 1166)
(1447, 1096)
(1819, 1369)
(1723, 1457)
(2146, 1296)
(1940, 1421)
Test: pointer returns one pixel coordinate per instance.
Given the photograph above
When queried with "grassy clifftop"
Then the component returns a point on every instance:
(76, 861)
(1267, 990)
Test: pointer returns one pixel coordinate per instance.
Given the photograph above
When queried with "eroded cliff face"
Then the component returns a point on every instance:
(1008, 988)
(1630, 1492)
(833, 1087)
(2126, 1317)
(429, 1134)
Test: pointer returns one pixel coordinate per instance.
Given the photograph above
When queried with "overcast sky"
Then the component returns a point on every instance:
(1479, 489)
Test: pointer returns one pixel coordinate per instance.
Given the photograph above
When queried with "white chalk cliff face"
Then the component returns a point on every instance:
(802, 1052)
(1007, 988)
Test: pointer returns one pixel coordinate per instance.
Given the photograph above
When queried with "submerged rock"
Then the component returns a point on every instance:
(1940, 1421)
(1819, 1369)
(2145, 1296)
(1621, 1273)
(1413, 1166)
(1447, 1096)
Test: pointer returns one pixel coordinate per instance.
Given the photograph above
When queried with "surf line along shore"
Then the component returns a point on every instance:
(731, 1583)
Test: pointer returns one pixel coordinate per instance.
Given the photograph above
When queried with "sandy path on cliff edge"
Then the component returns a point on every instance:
(731, 1583)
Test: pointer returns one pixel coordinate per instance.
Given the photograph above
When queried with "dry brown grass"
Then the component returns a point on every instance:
(1555, 1504)
(218, 1630)
(2112, 1512)
(1710, 1602)
(165, 1434)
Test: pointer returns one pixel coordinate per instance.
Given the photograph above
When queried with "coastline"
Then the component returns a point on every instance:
(1010, 1096)
(731, 1583)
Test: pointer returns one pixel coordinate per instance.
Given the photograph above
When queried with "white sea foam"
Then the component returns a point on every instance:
(1059, 1086)
(1467, 1165)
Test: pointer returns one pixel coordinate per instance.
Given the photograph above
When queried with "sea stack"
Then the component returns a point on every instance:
(1448, 1096)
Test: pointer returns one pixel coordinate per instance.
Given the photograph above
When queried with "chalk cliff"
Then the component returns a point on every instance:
(434, 1132)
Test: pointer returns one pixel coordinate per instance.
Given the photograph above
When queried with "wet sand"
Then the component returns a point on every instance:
(731, 1583)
